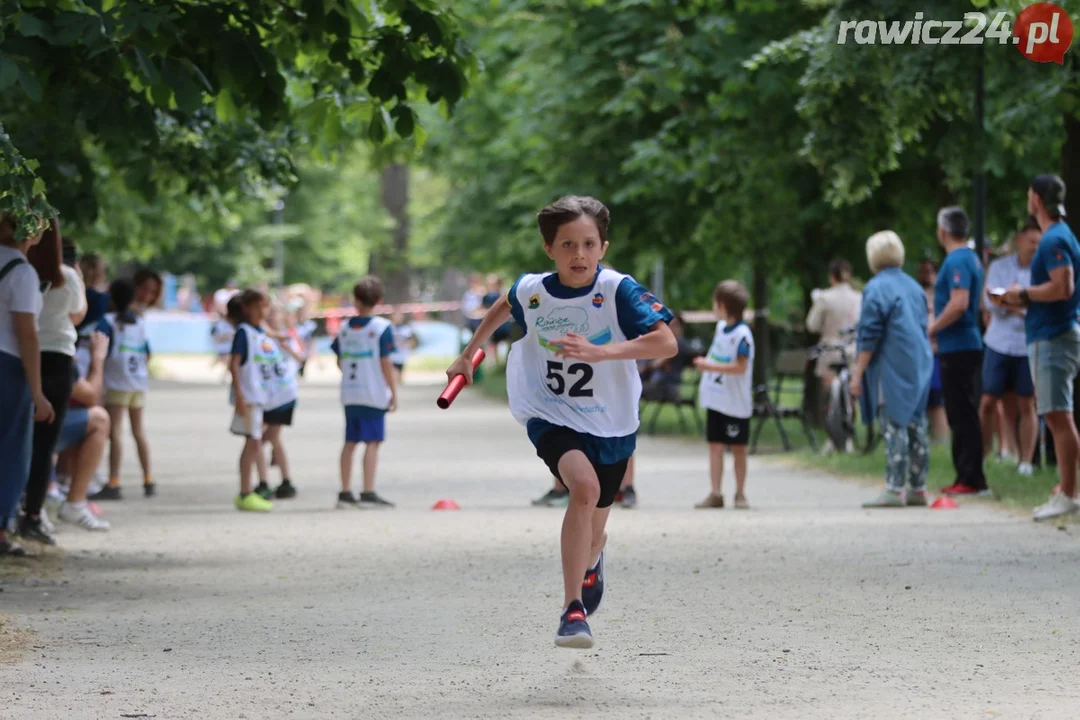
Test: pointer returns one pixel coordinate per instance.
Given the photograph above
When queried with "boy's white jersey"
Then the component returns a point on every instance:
(731, 395)
(222, 333)
(126, 364)
(599, 399)
(264, 374)
(362, 380)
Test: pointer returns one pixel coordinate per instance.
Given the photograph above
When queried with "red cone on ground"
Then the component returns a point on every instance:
(944, 503)
(446, 505)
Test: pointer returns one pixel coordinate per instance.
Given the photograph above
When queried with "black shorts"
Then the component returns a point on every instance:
(720, 428)
(279, 416)
(399, 366)
(558, 441)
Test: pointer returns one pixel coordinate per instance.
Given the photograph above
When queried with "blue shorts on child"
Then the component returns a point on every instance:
(364, 424)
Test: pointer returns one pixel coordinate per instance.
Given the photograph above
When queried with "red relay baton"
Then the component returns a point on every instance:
(457, 383)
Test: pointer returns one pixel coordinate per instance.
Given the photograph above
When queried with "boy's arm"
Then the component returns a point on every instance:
(659, 342)
(25, 326)
(238, 393)
(391, 380)
(741, 365)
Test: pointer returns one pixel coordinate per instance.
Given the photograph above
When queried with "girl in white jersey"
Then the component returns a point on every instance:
(573, 382)
(282, 395)
(726, 391)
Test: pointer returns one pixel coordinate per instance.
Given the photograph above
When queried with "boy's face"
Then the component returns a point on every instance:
(256, 312)
(720, 310)
(577, 250)
(147, 293)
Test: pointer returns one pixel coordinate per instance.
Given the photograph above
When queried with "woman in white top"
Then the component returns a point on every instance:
(20, 371)
(63, 308)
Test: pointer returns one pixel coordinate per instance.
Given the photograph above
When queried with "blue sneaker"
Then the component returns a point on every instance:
(573, 630)
(592, 589)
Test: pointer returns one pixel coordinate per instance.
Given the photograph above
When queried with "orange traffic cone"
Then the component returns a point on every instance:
(944, 503)
(446, 505)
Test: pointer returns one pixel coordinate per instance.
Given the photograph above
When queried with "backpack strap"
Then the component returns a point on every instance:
(10, 266)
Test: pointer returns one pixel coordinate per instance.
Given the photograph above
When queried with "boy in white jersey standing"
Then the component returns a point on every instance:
(573, 382)
(726, 391)
(364, 347)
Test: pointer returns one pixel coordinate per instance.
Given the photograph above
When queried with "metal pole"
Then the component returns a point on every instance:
(658, 279)
(279, 250)
(978, 181)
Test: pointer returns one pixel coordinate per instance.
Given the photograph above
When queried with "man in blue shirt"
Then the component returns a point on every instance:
(1053, 339)
(956, 329)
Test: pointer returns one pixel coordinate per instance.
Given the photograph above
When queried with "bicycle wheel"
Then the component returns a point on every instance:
(837, 421)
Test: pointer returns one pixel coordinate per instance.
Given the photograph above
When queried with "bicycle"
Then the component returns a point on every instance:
(841, 415)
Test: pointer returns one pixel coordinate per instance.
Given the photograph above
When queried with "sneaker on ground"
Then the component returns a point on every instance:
(574, 631)
(552, 498)
(285, 491)
(629, 497)
(149, 490)
(887, 498)
(46, 522)
(372, 500)
(32, 530)
(80, 515)
(916, 498)
(592, 589)
(1025, 469)
(741, 503)
(961, 490)
(712, 501)
(346, 500)
(263, 490)
(253, 502)
(108, 492)
(1060, 505)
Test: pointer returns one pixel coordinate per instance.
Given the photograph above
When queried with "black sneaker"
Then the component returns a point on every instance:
(107, 493)
(263, 490)
(285, 491)
(552, 498)
(149, 490)
(629, 497)
(33, 530)
(371, 500)
(346, 500)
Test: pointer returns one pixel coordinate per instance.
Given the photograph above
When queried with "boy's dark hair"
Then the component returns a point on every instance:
(569, 208)
(234, 311)
(369, 291)
(732, 296)
(840, 269)
(121, 295)
(1029, 224)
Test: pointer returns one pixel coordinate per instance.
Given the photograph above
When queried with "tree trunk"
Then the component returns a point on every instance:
(391, 260)
(762, 356)
(1070, 166)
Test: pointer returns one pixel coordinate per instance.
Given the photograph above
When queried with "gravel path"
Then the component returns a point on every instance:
(806, 606)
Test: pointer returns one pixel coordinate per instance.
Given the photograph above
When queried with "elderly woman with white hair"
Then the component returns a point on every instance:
(895, 358)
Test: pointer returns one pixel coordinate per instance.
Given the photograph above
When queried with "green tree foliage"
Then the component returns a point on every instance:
(212, 94)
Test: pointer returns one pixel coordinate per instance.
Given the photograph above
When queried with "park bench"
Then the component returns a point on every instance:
(790, 365)
(684, 401)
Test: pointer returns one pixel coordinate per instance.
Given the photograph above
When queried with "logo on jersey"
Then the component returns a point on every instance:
(598, 300)
(267, 347)
(657, 306)
(534, 302)
(563, 320)
(647, 298)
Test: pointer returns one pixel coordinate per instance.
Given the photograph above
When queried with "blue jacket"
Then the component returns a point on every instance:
(892, 327)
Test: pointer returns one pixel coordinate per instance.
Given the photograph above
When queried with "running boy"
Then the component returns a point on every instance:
(572, 381)
(726, 391)
(127, 378)
(363, 347)
(258, 367)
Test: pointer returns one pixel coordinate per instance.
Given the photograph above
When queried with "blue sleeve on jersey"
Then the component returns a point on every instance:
(516, 311)
(638, 309)
(744, 349)
(386, 342)
(336, 347)
(240, 345)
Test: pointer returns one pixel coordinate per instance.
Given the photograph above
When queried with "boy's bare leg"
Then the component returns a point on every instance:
(577, 529)
(248, 458)
(116, 442)
(628, 478)
(739, 453)
(273, 434)
(347, 452)
(716, 467)
(371, 463)
(141, 444)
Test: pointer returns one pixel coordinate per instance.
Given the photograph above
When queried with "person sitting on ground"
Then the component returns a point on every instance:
(83, 436)
(894, 355)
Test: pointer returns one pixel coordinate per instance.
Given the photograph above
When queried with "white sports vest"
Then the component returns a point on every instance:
(222, 333)
(362, 381)
(731, 395)
(599, 399)
(125, 365)
(402, 336)
(264, 375)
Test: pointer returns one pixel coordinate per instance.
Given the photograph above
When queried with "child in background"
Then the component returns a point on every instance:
(368, 389)
(282, 394)
(726, 391)
(127, 378)
(305, 329)
(222, 332)
(148, 286)
(252, 362)
(404, 341)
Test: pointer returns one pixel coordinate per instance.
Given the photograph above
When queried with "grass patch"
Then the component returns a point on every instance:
(1009, 487)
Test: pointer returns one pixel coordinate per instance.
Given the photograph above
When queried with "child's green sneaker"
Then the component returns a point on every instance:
(253, 502)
